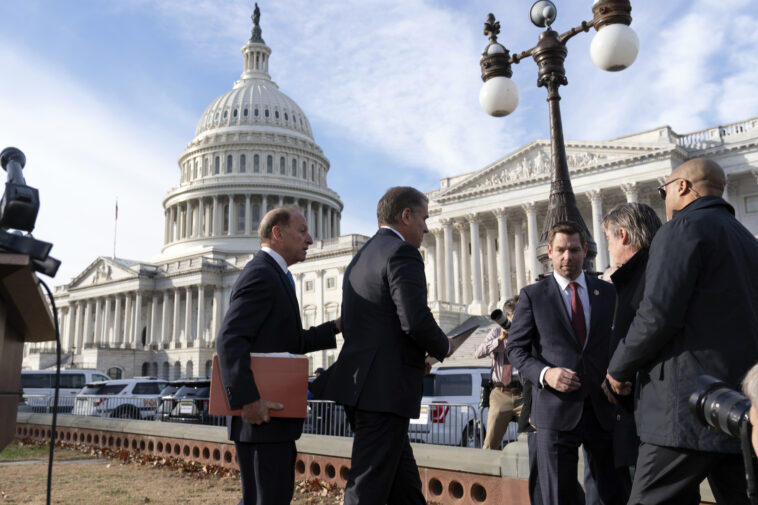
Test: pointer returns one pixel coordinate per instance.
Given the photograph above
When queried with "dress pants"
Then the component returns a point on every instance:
(505, 406)
(669, 475)
(558, 457)
(383, 469)
(535, 495)
(267, 472)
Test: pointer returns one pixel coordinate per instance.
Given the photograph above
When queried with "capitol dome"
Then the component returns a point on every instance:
(253, 150)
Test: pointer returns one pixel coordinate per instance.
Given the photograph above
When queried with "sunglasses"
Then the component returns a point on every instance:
(662, 187)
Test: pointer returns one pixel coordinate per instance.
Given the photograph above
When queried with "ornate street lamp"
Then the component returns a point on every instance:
(613, 48)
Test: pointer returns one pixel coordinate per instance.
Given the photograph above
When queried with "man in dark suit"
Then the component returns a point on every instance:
(559, 342)
(629, 229)
(264, 317)
(388, 330)
(698, 315)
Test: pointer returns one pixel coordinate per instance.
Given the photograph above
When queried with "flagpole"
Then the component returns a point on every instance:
(115, 229)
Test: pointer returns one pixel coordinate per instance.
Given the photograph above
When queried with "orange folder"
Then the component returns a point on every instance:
(279, 379)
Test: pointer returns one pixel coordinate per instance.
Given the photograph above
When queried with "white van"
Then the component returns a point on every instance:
(39, 387)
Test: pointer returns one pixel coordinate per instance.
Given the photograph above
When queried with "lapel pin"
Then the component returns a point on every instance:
(596, 292)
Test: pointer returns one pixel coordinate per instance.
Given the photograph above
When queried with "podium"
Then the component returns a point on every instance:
(24, 317)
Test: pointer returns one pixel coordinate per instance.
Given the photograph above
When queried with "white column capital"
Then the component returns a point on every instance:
(630, 189)
(594, 195)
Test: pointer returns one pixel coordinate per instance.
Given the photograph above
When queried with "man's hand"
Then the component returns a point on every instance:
(620, 388)
(562, 379)
(338, 323)
(427, 368)
(612, 399)
(503, 335)
(257, 412)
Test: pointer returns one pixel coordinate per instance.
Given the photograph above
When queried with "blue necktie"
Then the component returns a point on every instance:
(292, 281)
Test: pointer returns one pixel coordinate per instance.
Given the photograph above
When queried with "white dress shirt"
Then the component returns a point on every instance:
(277, 257)
(566, 294)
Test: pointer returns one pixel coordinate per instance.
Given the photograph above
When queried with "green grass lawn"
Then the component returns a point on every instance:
(21, 452)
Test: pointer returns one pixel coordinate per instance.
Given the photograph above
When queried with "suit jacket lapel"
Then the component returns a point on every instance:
(594, 309)
(560, 308)
(287, 287)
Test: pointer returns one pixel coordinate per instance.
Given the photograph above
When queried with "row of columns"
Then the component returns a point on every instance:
(458, 273)
(206, 217)
(118, 321)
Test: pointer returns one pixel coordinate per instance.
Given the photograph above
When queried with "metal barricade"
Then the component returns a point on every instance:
(326, 418)
(44, 404)
(447, 424)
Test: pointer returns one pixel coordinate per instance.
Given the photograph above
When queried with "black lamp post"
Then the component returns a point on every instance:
(613, 48)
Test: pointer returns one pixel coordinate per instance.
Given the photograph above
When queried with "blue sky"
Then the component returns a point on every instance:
(103, 96)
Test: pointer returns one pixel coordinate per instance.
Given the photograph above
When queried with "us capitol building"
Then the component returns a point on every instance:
(254, 150)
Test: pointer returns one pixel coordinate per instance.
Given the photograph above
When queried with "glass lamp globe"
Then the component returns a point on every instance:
(614, 47)
(498, 96)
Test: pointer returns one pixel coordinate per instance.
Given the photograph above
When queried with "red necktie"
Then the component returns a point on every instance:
(577, 315)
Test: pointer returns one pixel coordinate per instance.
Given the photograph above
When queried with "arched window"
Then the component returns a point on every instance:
(270, 164)
(294, 167)
(234, 114)
(229, 164)
(313, 172)
(115, 373)
(205, 166)
(244, 113)
(208, 367)
(164, 366)
(265, 112)
(256, 213)
(286, 118)
(256, 163)
(190, 369)
(282, 170)
(194, 171)
(256, 112)
(177, 370)
(276, 114)
(241, 218)
(226, 218)
(242, 162)
(145, 369)
(304, 169)
(225, 114)
(217, 165)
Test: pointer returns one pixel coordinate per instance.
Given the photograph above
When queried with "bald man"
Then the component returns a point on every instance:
(698, 315)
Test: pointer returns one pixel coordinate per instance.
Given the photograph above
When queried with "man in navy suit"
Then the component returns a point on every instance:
(559, 342)
(388, 331)
(264, 317)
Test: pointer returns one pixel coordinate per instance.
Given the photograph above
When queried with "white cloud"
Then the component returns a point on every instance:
(83, 153)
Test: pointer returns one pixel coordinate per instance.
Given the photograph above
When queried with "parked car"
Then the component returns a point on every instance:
(450, 409)
(186, 401)
(135, 398)
(39, 387)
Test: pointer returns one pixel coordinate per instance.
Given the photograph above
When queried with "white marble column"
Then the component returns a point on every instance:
(118, 322)
(476, 306)
(503, 256)
(216, 321)
(596, 200)
(491, 272)
(309, 217)
(630, 190)
(232, 216)
(458, 294)
(264, 205)
(154, 330)
(175, 327)
(518, 244)
(72, 322)
(128, 335)
(165, 336)
(106, 331)
(447, 231)
(531, 226)
(464, 260)
(188, 219)
(167, 220)
(172, 223)
(188, 317)
(320, 230)
(431, 268)
(337, 219)
(138, 321)
(96, 331)
(248, 216)
(201, 218)
(216, 217)
(200, 316)
(439, 258)
(87, 322)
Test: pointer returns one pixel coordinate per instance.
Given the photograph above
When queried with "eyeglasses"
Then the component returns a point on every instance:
(662, 187)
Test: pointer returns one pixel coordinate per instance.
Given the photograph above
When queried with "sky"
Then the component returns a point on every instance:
(103, 95)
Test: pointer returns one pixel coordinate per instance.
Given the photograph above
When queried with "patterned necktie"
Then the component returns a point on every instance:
(292, 281)
(577, 315)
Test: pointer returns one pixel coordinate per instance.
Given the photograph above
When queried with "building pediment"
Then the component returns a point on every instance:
(531, 164)
(104, 270)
